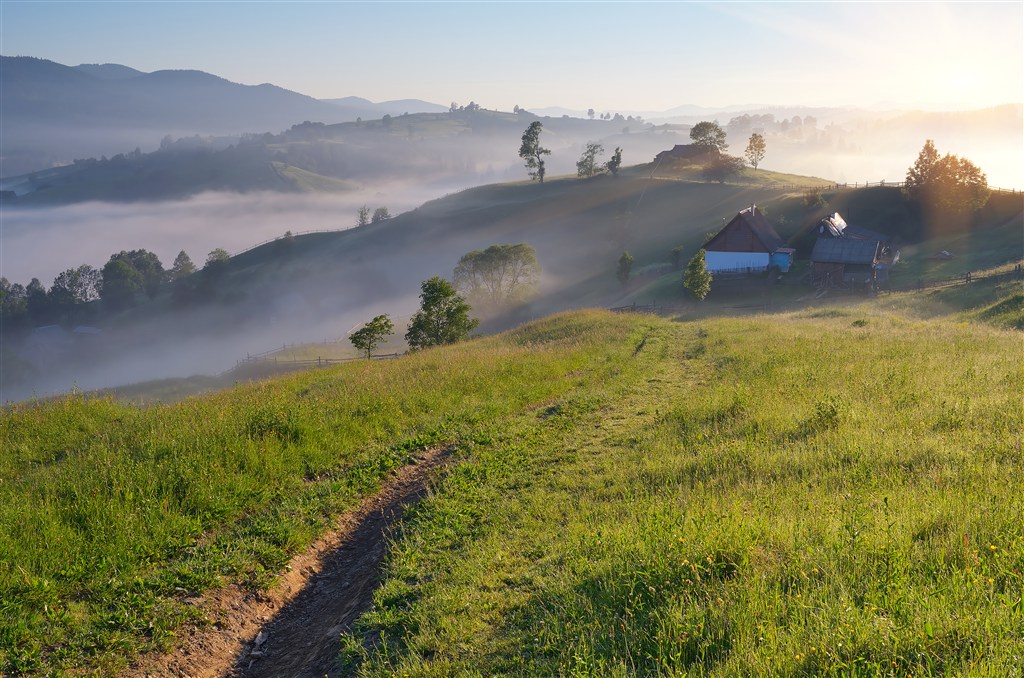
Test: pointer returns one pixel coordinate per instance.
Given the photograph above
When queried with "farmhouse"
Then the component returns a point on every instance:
(747, 244)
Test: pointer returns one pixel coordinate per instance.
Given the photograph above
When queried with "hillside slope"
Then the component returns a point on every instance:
(623, 498)
(320, 285)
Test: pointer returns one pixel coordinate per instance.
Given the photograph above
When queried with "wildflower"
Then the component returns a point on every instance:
(993, 547)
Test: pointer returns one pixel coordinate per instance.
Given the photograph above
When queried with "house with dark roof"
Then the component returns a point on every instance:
(850, 257)
(747, 244)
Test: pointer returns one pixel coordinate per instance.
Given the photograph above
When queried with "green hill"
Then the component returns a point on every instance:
(321, 284)
(817, 492)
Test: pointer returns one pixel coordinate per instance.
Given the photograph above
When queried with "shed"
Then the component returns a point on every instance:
(747, 244)
(845, 262)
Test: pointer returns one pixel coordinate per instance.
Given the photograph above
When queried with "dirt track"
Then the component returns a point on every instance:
(294, 629)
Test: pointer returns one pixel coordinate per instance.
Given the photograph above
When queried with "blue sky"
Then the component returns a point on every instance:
(612, 56)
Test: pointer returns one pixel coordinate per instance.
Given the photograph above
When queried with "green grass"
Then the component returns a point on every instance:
(110, 515)
(831, 491)
(819, 493)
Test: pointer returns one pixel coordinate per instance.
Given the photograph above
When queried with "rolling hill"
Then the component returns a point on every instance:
(319, 285)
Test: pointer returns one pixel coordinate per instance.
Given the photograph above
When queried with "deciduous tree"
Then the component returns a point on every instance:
(696, 277)
(709, 135)
(625, 268)
(443, 317)
(380, 214)
(756, 149)
(587, 165)
(615, 163)
(500, 274)
(369, 336)
(121, 282)
(182, 266)
(532, 152)
(722, 168)
(363, 216)
(948, 189)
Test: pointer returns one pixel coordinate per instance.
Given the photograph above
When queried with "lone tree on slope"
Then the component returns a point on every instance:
(615, 163)
(696, 277)
(532, 152)
(587, 165)
(369, 336)
(709, 135)
(443, 317)
(756, 149)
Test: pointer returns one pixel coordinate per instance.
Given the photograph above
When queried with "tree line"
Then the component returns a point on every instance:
(128, 278)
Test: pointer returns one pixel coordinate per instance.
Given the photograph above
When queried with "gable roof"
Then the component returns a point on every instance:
(845, 251)
(748, 231)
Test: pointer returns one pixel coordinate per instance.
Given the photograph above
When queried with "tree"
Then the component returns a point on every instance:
(379, 215)
(498, 275)
(590, 113)
(722, 168)
(367, 337)
(948, 189)
(13, 303)
(625, 268)
(75, 287)
(363, 216)
(532, 152)
(709, 135)
(182, 266)
(677, 256)
(121, 282)
(149, 267)
(615, 163)
(37, 302)
(756, 149)
(217, 262)
(696, 277)
(587, 165)
(443, 317)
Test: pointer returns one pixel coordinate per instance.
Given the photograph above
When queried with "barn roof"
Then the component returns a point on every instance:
(750, 220)
(845, 251)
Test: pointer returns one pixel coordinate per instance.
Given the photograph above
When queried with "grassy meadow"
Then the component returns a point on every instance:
(830, 491)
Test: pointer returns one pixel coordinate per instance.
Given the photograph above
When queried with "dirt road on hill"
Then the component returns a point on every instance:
(294, 629)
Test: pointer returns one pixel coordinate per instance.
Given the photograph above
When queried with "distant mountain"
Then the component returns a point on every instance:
(109, 71)
(54, 113)
(357, 107)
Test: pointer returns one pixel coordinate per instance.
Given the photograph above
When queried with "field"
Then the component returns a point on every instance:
(822, 492)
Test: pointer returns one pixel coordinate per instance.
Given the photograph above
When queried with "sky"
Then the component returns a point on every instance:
(610, 56)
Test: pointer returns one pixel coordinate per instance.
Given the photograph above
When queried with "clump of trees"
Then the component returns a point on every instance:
(499, 275)
(948, 190)
(722, 168)
(532, 152)
(443, 317)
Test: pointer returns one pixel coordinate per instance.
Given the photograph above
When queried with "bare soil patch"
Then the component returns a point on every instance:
(294, 629)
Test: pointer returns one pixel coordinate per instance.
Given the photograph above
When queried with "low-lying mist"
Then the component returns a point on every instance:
(42, 242)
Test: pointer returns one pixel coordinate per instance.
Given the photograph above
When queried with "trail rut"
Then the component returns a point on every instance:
(294, 629)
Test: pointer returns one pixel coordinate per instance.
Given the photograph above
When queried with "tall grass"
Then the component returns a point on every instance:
(828, 492)
(112, 516)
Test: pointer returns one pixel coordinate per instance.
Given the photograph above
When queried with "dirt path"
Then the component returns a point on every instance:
(294, 629)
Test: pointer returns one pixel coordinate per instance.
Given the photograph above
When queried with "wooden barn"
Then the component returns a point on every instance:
(850, 257)
(747, 244)
(845, 263)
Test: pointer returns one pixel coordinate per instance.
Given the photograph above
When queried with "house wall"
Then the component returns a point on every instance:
(735, 261)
